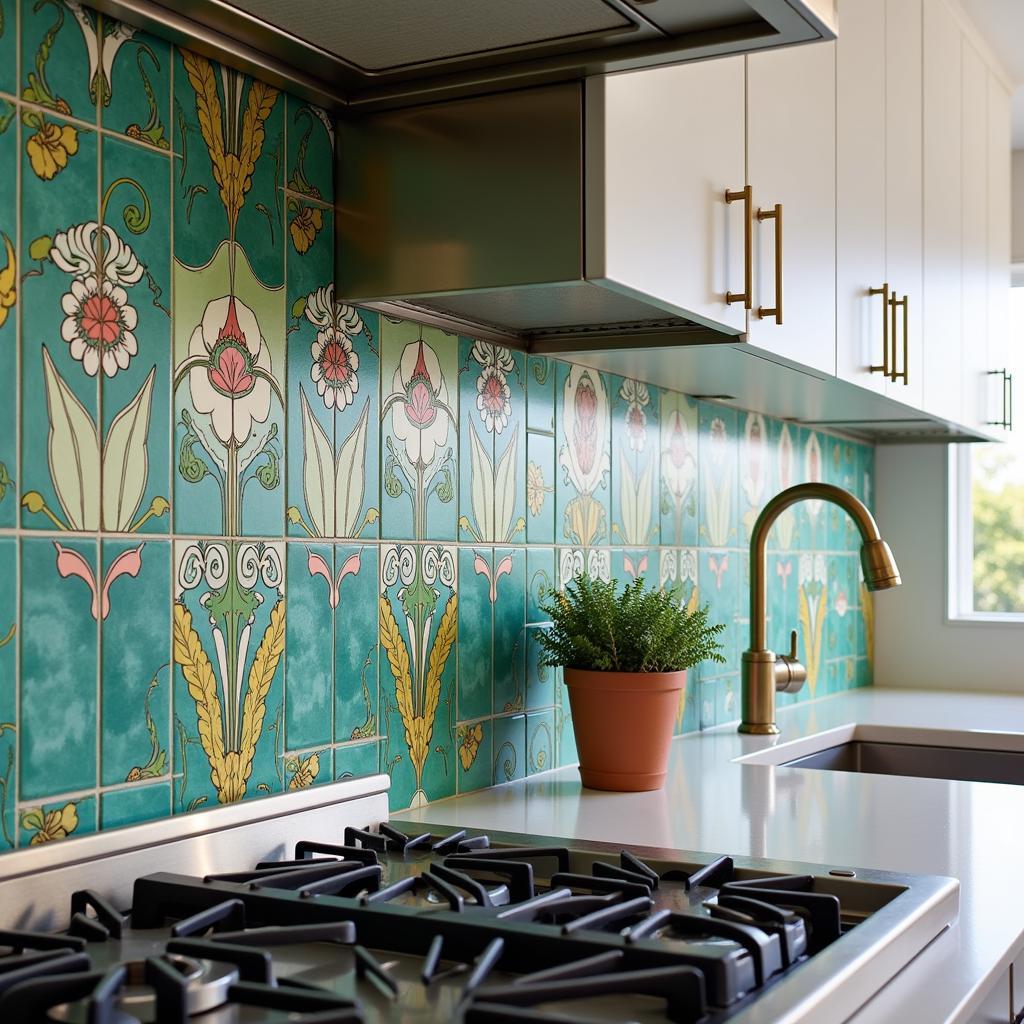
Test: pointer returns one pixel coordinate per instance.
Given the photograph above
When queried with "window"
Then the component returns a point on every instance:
(987, 516)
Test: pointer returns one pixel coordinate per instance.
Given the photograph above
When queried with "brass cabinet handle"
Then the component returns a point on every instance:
(1007, 421)
(896, 374)
(884, 292)
(776, 310)
(746, 196)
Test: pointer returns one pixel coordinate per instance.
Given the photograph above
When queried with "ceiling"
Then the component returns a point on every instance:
(1001, 22)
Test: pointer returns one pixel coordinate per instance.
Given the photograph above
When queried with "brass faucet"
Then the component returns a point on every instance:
(765, 672)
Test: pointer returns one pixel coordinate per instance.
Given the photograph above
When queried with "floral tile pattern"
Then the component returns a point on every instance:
(256, 539)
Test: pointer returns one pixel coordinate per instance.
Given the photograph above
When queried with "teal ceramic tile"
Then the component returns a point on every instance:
(866, 475)
(718, 584)
(679, 430)
(474, 745)
(636, 518)
(61, 483)
(492, 477)
(419, 432)
(61, 599)
(229, 423)
(510, 487)
(843, 586)
(812, 603)
(784, 440)
(565, 738)
(131, 806)
(48, 822)
(310, 132)
(509, 625)
(229, 622)
(688, 713)
(419, 620)
(135, 644)
(356, 654)
(540, 488)
(200, 218)
(509, 749)
(358, 491)
(574, 562)
(9, 310)
(540, 678)
(727, 705)
(813, 516)
(540, 581)
(757, 464)
(584, 456)
(540, 741)
(60, 57)
(8, 690)
(634, 564)
(136, 362)
(135, 84)
(783, 599)
(719, 475)
(355, 760)
(316, 342)
(476, 632)
(8, 47)
(540, 394)
(305, 768)
(864, 672)
(709, 701)
(313, 596)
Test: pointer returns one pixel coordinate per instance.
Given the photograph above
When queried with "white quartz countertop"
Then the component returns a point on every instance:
(971, 831)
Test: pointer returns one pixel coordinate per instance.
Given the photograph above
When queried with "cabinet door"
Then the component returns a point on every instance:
(942, 212)
(663, 147)
(903, 171)
(791, 161)
(860, 191)
(1000, 355)
(974, 216)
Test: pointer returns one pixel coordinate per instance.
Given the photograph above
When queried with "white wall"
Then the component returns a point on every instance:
(1017, 245)
(915, 645)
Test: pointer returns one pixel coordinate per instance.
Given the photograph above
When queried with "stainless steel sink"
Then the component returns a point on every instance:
(917, 760)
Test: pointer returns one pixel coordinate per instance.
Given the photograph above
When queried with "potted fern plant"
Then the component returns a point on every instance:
(625, 656)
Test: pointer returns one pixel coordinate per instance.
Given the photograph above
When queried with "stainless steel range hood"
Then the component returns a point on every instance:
(373, 53)
(490, 212)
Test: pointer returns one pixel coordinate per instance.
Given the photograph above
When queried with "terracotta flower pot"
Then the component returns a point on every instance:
(623, 724)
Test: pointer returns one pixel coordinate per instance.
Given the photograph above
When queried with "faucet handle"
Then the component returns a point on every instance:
(790, 675)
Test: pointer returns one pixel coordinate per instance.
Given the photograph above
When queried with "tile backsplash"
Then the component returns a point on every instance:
(254, 539)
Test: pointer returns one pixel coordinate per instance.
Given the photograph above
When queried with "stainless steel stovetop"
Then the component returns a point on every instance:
(415, 922)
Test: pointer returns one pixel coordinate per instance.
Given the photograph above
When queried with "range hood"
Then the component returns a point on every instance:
(373, 53)
(489, 214)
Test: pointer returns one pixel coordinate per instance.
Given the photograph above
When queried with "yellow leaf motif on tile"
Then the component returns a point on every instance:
(470, 738)
(229, 769)
(417, 707)
(56, 824)
(305, 772)
(50, 147)
(305, 226)
(8, 279)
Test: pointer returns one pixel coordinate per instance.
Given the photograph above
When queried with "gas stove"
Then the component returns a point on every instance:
(414, 922)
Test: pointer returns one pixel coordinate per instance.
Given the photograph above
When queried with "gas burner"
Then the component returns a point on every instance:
(464, 927)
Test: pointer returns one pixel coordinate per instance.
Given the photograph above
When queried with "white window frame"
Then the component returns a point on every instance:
(960, 548)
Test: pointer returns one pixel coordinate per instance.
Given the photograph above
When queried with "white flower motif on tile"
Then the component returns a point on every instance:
(99, 322)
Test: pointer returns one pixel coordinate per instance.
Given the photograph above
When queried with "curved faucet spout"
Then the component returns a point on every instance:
(761, 667)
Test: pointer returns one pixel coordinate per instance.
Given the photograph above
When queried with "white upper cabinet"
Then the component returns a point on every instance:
(863, 346)
(974, 319)
(903, 186)
(791, 168)
(943, 212)
(669, 146)
(998, 393)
